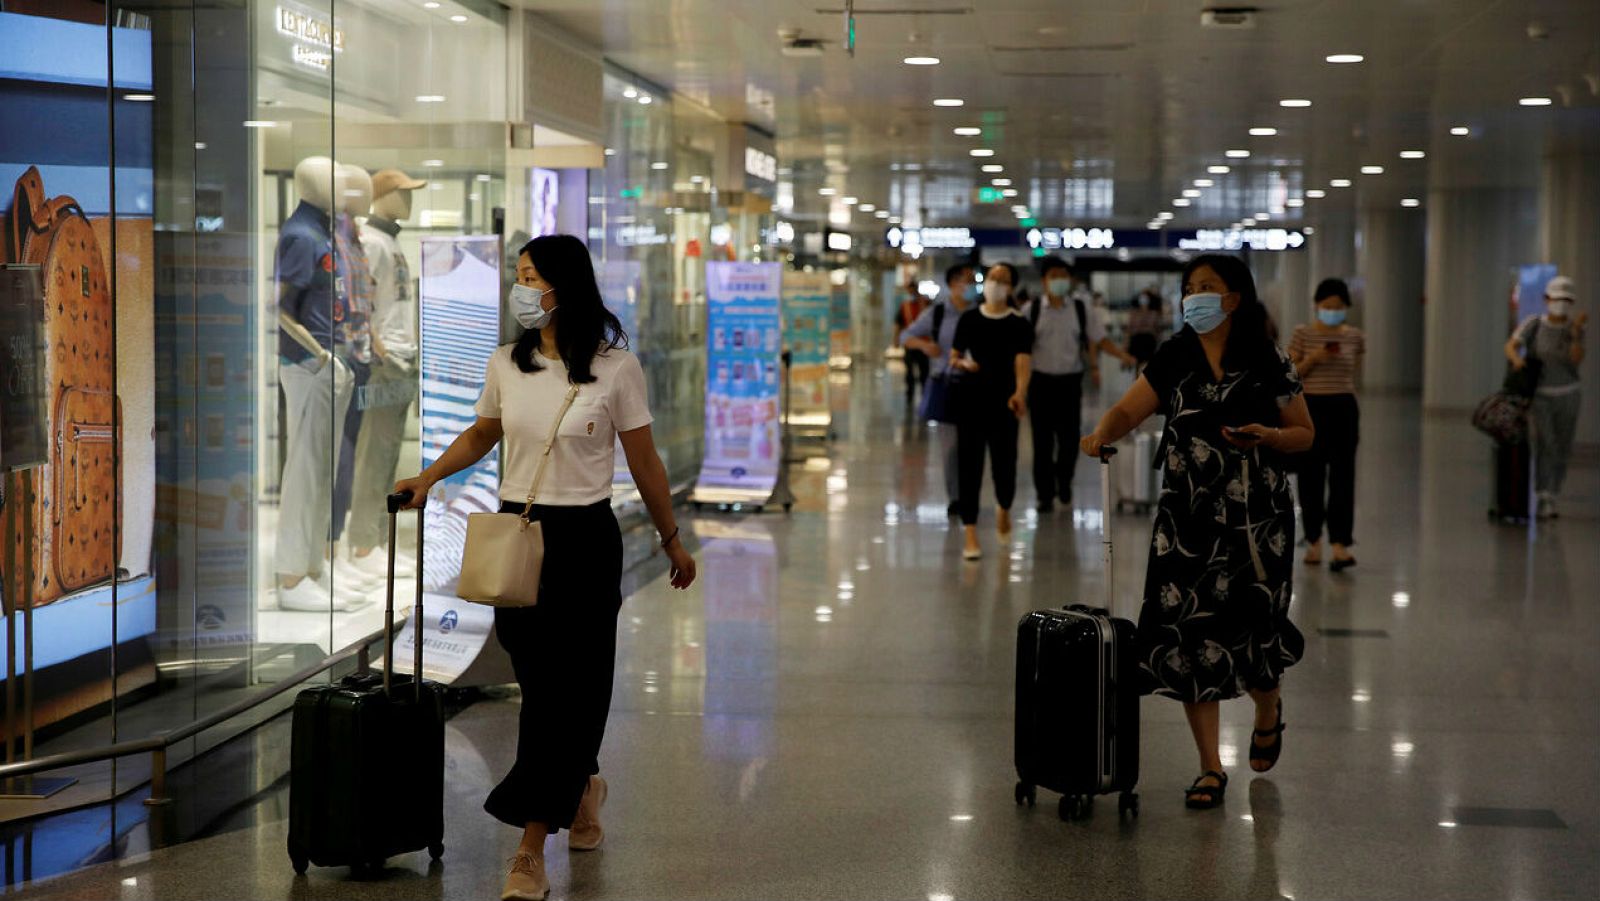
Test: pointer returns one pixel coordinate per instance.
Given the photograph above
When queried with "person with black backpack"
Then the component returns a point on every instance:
(1068, 336)
(932, 333)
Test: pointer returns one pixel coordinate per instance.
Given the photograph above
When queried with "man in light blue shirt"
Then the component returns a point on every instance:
(933, 333)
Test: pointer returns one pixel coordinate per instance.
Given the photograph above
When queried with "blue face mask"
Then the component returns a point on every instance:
(1331, 317)
(1059, 286)
(1203, 312)
(526, 307)
(972, 293)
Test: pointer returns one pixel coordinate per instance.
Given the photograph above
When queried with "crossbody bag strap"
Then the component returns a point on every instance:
(549, 444)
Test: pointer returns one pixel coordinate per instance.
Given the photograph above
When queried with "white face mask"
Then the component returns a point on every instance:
(525, 305)
(996, 292)
(1559, 308)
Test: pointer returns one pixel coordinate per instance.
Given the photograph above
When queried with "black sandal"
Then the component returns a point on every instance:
(1205, 797)
(1268, 753)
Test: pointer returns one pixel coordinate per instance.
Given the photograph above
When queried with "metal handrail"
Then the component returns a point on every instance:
(157, 745)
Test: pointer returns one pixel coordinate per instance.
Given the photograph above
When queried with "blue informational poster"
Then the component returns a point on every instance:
(807, 301)
(1531, 279)
(839, 322)
(743, 441)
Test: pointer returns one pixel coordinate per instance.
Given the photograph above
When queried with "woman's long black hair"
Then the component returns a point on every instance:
(1249, 338)
(587, 326)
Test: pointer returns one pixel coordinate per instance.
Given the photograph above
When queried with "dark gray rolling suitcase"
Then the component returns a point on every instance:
(366, 779)
(1077, 726)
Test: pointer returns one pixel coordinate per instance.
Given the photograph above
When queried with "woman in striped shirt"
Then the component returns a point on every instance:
(1328, 353)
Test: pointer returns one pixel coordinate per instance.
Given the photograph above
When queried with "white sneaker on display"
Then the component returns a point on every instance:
(307, 595)
(346, 573)
(349, 597)
(375, 564)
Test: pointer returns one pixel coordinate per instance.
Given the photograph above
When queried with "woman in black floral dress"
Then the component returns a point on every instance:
(1215, 620)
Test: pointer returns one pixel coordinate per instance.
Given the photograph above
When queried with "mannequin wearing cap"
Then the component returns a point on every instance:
(316, 385)
(392, 386)
(1555, 341)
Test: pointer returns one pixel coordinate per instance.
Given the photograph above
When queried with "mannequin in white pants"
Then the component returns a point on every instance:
(316, 391)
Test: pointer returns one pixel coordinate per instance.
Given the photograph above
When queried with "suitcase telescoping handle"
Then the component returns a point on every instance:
(397, 502)
(1106, 453)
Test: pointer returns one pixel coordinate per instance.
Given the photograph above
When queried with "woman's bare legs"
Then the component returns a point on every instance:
(1204, 724)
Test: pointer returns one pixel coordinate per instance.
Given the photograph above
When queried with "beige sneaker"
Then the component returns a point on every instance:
(585, 833)
(526, 881)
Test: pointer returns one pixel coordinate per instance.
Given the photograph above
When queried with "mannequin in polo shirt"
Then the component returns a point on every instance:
(392, 387)
(316, 391)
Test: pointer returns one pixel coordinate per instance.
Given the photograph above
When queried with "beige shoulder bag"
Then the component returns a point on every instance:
(504, 555)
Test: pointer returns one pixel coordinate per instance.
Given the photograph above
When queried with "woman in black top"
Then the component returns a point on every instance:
(992, 353)
(1215, 620)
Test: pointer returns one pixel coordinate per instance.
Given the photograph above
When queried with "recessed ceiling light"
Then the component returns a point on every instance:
(1371, 170)
(259, 123)
(1535, 101)
(1180, 201)
(1339, 183)
(430, 98)
(433, 164)
(1310, 229)
(969, 131)
(630, 93)
(867, 207)
(1263, 132)
(848, 201)
(1191, 192)
(611, 151)
(882, 214)
(949, 101)
(431, 4)
(1294, 203)
(981, 151)
(922, 60)
(894, 220)
(992, 168)
(1219, 170)
(1413, 154)
(1262, 216)
(1294, 104)
(1009, 192)
(646, 99)
(658, 165)
(458, 19)
(139, 98)
(1164, 216)
(199, 145)
(1346, 58)
(1461, 131)
(1411, 202)
(1316, 193)
(1247, 222)
(1001, 182)
(1204, 183)
(1237, 154)
(1154, 226)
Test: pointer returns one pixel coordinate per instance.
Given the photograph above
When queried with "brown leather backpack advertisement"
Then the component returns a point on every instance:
(73, 500)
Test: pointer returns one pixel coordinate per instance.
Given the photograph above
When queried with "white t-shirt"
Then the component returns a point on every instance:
(584, 457)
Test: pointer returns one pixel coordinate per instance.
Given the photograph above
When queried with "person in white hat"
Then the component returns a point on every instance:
(1553, 342)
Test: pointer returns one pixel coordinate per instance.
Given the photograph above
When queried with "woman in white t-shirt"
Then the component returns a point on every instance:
(564, 648)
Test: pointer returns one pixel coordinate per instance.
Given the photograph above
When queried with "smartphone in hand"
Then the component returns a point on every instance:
(1239, 434)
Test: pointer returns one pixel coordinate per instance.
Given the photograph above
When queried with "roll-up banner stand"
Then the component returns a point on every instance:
(807, 302)
(744, 446)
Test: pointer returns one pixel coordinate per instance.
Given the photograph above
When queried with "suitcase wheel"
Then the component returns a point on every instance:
(1128, 803)
(1074, 807)
(436, 850)
(1026, 794)
(301, 864)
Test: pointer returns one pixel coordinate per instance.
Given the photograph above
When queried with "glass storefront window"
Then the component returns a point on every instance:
(238, 360)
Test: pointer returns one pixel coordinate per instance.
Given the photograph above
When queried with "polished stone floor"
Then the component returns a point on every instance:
(827, 714)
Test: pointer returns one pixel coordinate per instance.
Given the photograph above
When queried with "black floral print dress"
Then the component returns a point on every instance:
(1215, 619)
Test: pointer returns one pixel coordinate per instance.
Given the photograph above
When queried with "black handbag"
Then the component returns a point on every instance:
(936, 399)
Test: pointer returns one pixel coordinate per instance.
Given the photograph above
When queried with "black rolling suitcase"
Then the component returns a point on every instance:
(367, 758)
(1513, 482)
(1077, 729)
